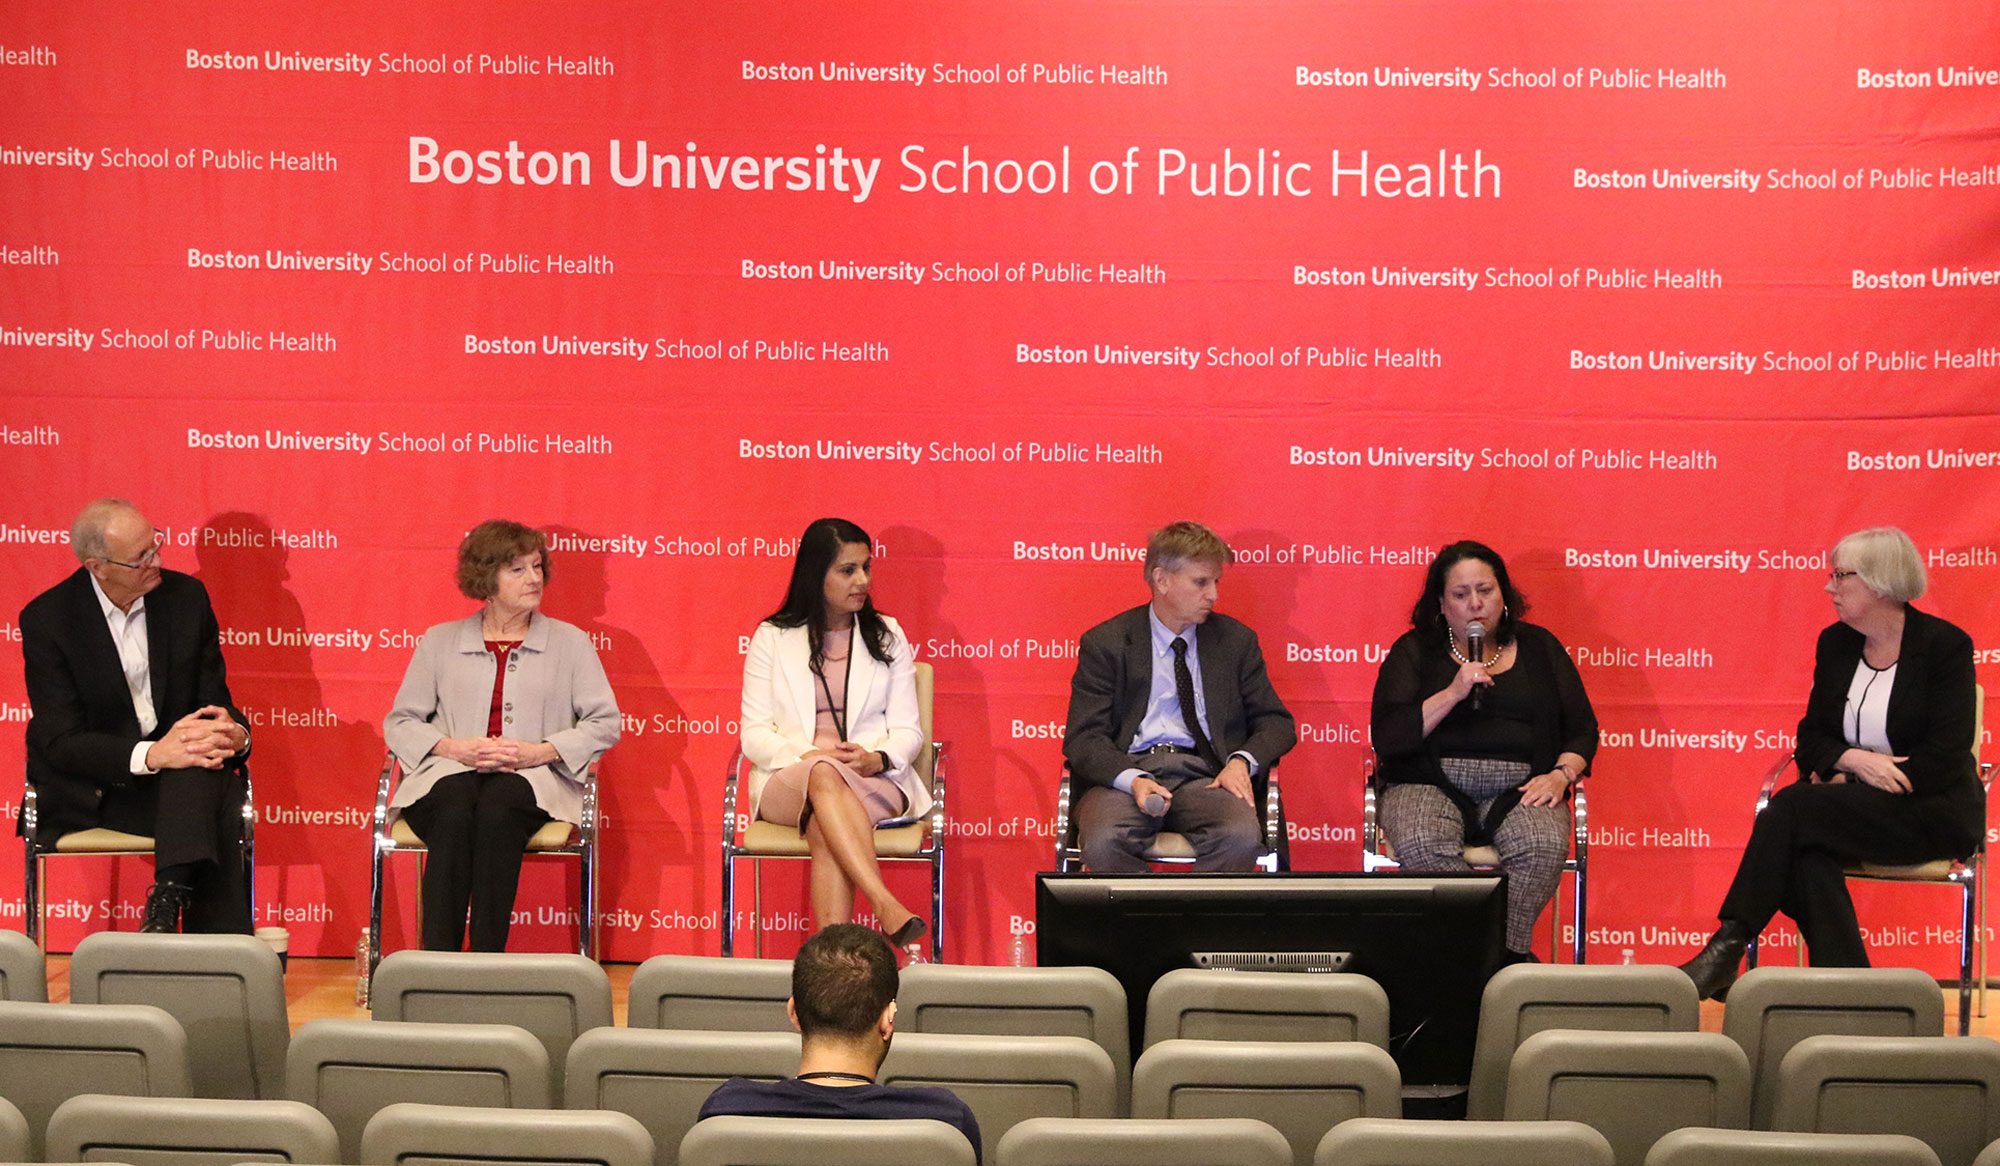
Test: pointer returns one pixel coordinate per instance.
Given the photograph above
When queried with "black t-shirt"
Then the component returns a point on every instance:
(791, 1097)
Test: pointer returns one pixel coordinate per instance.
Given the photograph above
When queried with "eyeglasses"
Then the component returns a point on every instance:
(150, 559)
(1836, 575)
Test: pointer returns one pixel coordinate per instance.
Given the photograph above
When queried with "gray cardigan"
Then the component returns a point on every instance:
(556, 692)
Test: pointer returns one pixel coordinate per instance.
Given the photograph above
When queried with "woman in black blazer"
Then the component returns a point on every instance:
(1885, 763)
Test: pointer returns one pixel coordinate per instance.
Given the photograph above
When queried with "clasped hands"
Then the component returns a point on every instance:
(204, 739)
(859, 758)
(495, 754)
(1877, 769)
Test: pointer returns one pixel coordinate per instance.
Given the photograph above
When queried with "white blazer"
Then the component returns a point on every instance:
(780, 703)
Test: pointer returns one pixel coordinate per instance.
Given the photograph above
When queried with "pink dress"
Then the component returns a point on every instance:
(784, 797)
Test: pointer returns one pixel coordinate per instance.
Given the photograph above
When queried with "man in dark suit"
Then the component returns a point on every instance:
(1172, 717)
(131, 726)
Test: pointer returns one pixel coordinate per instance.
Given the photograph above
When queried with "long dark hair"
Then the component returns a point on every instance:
(805, 598)
(1428, 615)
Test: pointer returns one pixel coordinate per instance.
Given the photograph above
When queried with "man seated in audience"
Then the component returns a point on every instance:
(844, 1006)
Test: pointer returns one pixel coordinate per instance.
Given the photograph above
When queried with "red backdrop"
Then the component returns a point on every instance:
(1657, 300)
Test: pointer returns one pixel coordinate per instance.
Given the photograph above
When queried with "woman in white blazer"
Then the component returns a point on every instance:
(830, 724)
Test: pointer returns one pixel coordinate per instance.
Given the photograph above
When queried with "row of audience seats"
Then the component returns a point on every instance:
(212, 1132)
(1645, 1071)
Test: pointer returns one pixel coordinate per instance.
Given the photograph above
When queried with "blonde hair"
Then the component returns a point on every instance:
(1886, 560)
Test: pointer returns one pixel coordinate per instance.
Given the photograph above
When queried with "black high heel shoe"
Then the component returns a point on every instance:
(911, 931)
(1714, 968)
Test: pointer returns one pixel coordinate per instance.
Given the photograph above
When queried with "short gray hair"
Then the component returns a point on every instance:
(1886, 560)
(86, 533)
(1178, 542)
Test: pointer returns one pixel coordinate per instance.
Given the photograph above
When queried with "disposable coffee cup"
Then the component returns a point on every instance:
(277, 939)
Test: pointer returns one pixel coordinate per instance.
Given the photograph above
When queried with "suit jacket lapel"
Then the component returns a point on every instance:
(98, 666)
(862, 670)
(1909, 667)
(1138, 675)
(1214, 682)
(795, 657)
(159, 627)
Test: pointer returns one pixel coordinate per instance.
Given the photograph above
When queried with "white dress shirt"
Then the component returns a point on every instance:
(128, 632)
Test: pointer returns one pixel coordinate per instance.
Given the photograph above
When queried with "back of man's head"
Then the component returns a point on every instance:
(842, 980)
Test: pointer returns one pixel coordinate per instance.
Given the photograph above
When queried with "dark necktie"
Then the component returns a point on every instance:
(1184, 688)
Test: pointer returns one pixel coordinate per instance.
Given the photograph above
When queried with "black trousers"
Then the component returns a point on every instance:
(1793, 860)
(476, 825)
(195, 818)
(1114, 831)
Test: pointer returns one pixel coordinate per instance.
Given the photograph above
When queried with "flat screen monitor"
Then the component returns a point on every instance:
(1430, 940)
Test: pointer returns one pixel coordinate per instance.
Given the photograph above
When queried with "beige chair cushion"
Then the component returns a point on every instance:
(1474, 855)
(102, 841)
(769, 838)
(553, 834)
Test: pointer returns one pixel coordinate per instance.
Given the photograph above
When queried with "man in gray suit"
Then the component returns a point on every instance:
(1173, 723)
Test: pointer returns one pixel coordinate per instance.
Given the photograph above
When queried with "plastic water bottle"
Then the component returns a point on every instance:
(1626, 957)
(361, 971)
(1018, 953)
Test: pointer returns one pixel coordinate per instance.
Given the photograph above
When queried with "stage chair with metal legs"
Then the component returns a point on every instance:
(1377, 854)
(1169, 848)
(392, 835)
(918, 839)
(102, 843)
(1968, 874)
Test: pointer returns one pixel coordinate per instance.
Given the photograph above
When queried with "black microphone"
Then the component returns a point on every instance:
(1155, 806)
(1475, 647)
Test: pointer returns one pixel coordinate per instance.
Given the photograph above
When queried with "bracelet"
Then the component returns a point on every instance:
(883, 754)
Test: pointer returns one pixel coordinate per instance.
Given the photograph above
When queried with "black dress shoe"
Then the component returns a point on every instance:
(1714, 968)
(164, 904)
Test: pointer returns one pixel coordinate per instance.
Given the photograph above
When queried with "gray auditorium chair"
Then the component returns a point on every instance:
(49, 1053)
(409, 1134)
(1990, 1156)
(1943, 1090)
(661, 1076)
(1370, 1141)
(716, 992)
(24, 973)
(1525, 999)
(1632, 1087)
(1212, 1004)
(554, 995)
(228, 992)
(1301, 1089)
(14, 1138)
(1004, 1001)
(350, 1069)
(1008, 1079)
(1126, 1141)
(809, 1141)
(1699, 1147)
(188, 1131)
(1773, 1008)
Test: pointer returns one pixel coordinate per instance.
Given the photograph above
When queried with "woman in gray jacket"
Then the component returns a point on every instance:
(499, 715)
